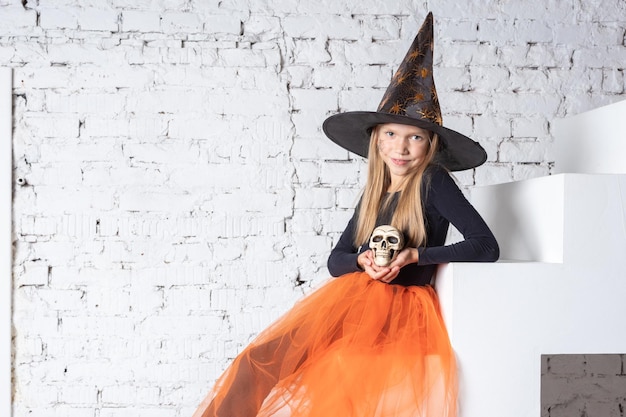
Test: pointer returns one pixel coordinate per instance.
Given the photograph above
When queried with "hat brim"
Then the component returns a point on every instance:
(351, 131)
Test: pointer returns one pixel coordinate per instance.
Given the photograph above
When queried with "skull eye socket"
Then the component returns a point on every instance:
(377, 238)
(393, 239)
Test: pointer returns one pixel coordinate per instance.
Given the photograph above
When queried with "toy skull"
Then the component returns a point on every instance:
(386, 242)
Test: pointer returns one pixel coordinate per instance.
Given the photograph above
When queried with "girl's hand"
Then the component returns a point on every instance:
(405, 257)
(379, 273)
(386, 273)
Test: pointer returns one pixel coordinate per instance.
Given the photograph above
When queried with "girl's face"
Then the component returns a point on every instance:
(402, 148)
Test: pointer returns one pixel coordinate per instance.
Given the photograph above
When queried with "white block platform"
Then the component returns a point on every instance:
(559, 287)
(593, 142)
(502, 317)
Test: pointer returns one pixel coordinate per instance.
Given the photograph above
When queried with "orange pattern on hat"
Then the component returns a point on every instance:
(412, 85)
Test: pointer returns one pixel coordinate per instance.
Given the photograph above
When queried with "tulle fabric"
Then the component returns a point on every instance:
(355, 347)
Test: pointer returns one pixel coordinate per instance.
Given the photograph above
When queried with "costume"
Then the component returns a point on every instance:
(356, 347)
(443, 203)
(359, 347)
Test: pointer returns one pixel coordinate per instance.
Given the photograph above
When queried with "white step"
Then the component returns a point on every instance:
(593, 142)
(565, 296)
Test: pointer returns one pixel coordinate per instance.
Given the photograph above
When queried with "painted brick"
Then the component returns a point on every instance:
(307, 172)
(347, 198)
(522, 151)
(495, 31)
(469, 54)
(527, 171)
(245, 58)
(65, 201)
(304, 220)
(123, 77)
(73, 53)
(495, 175)
(28, 348)
(140, 200)
(460, 123)
(6, 53)
(485, 79)
(308, 123)
(35, 273)
(259, 247)
(100, 103)
(530, 104)
(39, 395)
(140, 411)
(95, 327)
(248, 103)
(314, 198)
(321, 26)
(300, 76)
(97, 126)
(58, 411)
(228, 250)
(62, 299)
(463, 31)
(174, 22)
(312, 52)
(14, 16)
(317, 99)
(140, 21)
(57, 18)
(128, 394)
(538, 30)
(529, 127)
(453, 78)
(360, 98)
(162, 153)
(265, 28)
(98, 19)
(376, 76)
(380, 27)
(488, 126)
(383, 53)
(37, 323)
(613, 81)
(227, 24)
(53, 126)
(79, 394)
(339, 173)
(334, 222)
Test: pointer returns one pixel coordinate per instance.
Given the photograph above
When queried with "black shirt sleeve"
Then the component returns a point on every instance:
(446, 203)
(342, 259)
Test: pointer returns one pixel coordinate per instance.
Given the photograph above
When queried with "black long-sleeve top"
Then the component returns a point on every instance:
(444, 203)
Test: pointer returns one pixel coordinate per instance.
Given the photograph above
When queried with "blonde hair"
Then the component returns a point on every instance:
(408, 216)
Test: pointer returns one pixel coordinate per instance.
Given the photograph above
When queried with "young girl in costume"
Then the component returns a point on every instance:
(372, 341)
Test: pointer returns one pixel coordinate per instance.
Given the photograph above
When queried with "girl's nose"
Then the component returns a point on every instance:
(402, 146)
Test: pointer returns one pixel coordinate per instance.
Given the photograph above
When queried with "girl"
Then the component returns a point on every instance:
(372, 342)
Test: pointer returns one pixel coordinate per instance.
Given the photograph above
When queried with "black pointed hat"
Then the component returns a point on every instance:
(410, 99)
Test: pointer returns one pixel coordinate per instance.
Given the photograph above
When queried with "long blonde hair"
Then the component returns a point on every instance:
(409, 214)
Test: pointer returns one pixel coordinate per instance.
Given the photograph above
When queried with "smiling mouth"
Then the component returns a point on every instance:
(399, 161)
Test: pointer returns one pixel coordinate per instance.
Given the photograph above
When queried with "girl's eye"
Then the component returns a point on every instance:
(390, 134)
(416, 137)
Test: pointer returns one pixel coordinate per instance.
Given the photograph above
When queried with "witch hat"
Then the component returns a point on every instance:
(410, 99)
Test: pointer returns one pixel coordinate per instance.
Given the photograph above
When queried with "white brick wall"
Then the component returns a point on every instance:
(179, 194)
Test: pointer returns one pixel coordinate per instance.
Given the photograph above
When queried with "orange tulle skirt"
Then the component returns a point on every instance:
(355, 347)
